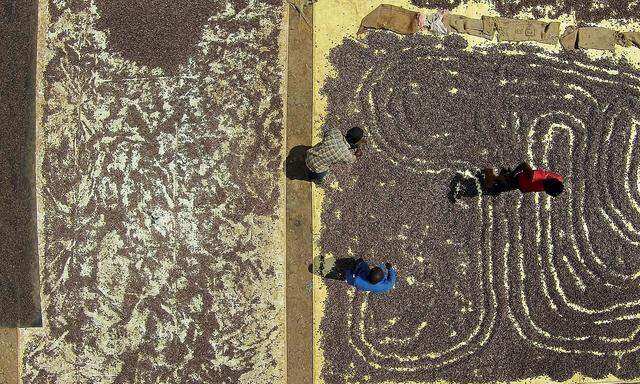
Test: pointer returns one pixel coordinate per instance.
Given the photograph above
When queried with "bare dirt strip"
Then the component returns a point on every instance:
(490, 288)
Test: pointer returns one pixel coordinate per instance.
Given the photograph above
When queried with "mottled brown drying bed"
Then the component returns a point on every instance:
(161, 188)
(490, 288)
(586, 10)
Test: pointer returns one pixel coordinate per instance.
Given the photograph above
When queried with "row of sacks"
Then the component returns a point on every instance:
(404, 21)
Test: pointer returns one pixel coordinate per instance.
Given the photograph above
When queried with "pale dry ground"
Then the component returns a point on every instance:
(8, 356)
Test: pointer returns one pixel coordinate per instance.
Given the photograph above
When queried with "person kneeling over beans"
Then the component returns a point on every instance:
(524, 178)
(334, 148)
(377, 279)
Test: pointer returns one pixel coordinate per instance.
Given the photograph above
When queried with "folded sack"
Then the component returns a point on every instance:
(390, 17)
(589, 38)
(525, 30)
(464, 24)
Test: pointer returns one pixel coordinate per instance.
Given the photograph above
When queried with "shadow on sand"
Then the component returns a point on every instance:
(331, 268)
(465, 185)
(472, 183)
(295, 167)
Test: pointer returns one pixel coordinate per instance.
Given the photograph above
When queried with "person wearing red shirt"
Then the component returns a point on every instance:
(524, 178)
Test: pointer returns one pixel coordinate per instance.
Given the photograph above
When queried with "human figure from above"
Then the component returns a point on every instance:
(378, 279)
(524, 178)
(334, 148)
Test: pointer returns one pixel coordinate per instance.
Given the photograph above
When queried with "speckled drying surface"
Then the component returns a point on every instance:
(492, 288)
(19, 293)
(160, 150)
(587, 10)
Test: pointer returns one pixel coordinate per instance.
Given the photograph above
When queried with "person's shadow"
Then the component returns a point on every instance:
(332, 268)
(295, 166)
(468, 184)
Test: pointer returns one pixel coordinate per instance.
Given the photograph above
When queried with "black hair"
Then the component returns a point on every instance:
(354, 135)
(376, 275)
(553, 187)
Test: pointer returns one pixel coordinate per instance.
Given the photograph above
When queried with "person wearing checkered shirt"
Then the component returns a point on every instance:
(335, 148)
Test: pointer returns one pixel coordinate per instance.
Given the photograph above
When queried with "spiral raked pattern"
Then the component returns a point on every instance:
(490, 288)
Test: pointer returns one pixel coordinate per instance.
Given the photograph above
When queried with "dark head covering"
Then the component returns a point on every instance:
(553, 187)
(354, 135)
(376, 275)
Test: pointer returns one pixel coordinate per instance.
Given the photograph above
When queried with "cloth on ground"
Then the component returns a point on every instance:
(435, 23)
(474, 27)
(524, 30)
(393, 18)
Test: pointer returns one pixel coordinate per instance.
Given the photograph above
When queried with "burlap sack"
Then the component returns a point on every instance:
(474, 27)
(392, 18)
(569, 39)
(526, 30)
(597, 38)
(630, 39)
(589, 38)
